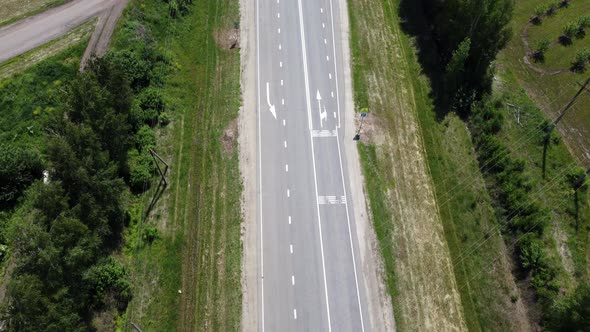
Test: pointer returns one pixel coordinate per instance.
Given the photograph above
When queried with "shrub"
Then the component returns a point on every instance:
(151, 102)
(145, 138)
(164, 119)
(109, 278)
(541, 10)
(140, 170)
(141, 117)
(135, 68)
(19, 167)
(542, 47)
(581, 59)
(568, 32)
(150, 234)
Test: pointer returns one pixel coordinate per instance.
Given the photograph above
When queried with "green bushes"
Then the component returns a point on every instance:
(19, 167)
(581, 59)
(523, 218)
(571, 313)
(67, 226)
(541, 48)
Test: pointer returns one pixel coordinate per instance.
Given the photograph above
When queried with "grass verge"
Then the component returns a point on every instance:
(189, 278)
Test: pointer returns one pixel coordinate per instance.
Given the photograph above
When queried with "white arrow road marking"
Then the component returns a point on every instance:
(270, 106)
(323, 115)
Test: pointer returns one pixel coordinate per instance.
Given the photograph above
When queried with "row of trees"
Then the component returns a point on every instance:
(524, 219)
(468, 34)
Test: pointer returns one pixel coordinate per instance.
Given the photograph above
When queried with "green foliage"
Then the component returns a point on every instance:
(164, 119)
(68, 225)
(455, 73)
(572, 313)
(135, 68)
(151, 102)
(178, 7)
(522, 216)
(19, 167)
(541, 10)
(145, 138)
(541, 48)
(578, 179)
(474, 27)
(106, 278)
(581, 59)
(150, 234)
(141, 169)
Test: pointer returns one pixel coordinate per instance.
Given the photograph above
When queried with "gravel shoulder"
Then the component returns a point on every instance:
(247, 153)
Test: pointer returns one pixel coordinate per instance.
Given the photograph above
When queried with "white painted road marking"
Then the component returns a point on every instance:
(288, 193)
(287, 168)
(323, 200)
(285, 144)
(324, 133)
(291, 248)
(294, 313)
(271, 107)
(323, 115)
(289, 220)
(293, 280)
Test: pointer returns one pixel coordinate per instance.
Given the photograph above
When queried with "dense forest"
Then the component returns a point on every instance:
(65, 191)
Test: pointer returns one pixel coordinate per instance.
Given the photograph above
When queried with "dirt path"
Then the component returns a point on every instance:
(107, 21)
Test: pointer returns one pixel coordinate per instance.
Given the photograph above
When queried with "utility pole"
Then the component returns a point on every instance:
(358, 132)
(582, 88)
(156, 158)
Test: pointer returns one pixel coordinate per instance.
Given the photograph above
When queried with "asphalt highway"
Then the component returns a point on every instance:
(37, 30)
(309, 268)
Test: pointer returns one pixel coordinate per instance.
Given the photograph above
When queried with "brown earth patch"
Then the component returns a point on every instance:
(229, 137)
(227, 39)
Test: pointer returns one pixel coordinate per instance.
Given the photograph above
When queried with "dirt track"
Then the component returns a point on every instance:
(37, 30)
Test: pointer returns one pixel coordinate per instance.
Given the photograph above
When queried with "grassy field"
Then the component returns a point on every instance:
(552, 92)
(14, 10)
(567, 239)
(189, 278)
(389, 80)
(79, 35)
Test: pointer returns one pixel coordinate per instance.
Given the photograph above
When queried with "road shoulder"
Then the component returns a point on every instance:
(247, 150)
(380, 310)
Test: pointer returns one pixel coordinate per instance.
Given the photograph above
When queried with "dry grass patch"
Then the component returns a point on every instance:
(14, 10)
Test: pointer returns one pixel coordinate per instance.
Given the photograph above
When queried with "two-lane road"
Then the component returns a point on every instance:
(37, 30)
(309, 274)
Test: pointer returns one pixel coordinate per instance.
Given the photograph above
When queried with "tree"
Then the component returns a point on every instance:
(572, 313)
(542, 47)
(484, 23)
(19, 167)
(455, 76)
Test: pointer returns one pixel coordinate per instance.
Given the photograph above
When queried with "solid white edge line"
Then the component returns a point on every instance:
(342, 168)
(261, 323)
(335, 63)
(308, 102)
